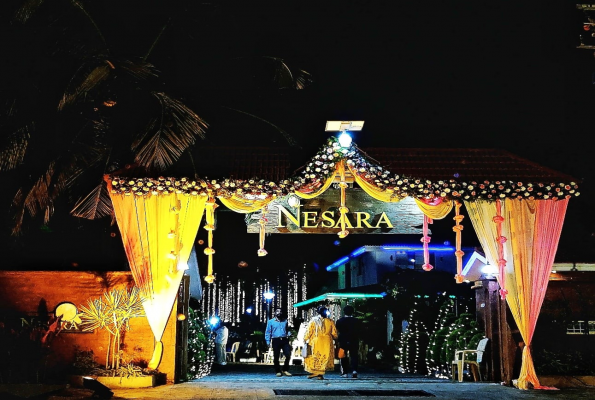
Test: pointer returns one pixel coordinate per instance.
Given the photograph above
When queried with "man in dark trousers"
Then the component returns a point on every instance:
(277, 336)
(349, 329)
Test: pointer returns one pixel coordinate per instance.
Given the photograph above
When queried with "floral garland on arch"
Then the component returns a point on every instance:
(323, 165)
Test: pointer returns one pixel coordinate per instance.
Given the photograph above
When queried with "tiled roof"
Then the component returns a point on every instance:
(273, 163)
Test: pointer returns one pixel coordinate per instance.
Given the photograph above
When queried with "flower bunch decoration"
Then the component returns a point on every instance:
(323, 165)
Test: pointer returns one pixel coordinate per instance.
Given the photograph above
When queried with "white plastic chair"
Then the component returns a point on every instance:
(231, 354)
(460, 360)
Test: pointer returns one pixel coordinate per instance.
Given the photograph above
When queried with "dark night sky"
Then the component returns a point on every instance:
(421, 74)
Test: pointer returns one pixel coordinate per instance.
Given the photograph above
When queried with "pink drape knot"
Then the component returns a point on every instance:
(502, 239)
(425, 239)
(427, 267)
(432, 202)
(502, 262)
(459, 253)
(457, 228)
(498, 219)
(503, 294)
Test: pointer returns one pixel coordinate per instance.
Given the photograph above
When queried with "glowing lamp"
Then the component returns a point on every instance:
(293, 201)
(268, 295)
(490, 270)
(345, 139)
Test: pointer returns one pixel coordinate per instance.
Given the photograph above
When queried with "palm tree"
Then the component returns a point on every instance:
(78, 104)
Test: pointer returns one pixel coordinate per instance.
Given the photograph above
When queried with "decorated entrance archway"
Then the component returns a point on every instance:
(517, 223)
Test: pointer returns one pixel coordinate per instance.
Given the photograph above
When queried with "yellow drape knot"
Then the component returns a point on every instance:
(209, 227)
(343, 234)
(343, 184)
(458, 218)
(209, 278)
(502, 239)
(459, 253)
(262, 252)
(459, 278)
(425, 239)
(343, 210)
(427, 267)
(263, 221)
(209, 250)
(457, 228)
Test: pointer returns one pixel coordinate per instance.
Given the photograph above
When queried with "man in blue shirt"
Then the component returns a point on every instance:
(277, 336)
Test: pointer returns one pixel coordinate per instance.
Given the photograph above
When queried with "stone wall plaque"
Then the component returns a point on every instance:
(321, 215)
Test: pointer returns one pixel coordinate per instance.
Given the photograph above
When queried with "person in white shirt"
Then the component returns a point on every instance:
(221, 332)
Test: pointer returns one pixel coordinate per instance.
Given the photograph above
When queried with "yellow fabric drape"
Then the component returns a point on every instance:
(434, 210)
(374, 191)
(244, 206)
(241, 205)
(158, 232)
(342, 209)
(320, 191)
(533, 229)
(438, 211)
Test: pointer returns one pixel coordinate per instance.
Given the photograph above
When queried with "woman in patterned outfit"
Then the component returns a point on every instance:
(320, 334)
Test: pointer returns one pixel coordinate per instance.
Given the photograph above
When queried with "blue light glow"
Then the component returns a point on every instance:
(338, 263)
(417, 247)
(214, 321)
(332, 296)
(357, 252)
(249, 310)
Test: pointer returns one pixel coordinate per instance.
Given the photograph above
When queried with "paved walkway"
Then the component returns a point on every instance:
(256, 381)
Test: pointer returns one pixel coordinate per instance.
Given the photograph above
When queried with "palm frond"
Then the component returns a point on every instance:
(12, 151)
(89, 82)
(303, 80)
(290, 140)
(282, 76)
(27, 9)
(167, 137)
(139, 70)
(97, 204)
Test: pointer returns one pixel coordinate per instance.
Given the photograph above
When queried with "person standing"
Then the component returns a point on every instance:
(221, 334)
(320, 334)
(349, 329)
(277, 336)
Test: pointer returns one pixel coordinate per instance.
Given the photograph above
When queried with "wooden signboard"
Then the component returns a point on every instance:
(321, 215)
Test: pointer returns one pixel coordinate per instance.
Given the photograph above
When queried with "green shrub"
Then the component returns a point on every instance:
(201, 346)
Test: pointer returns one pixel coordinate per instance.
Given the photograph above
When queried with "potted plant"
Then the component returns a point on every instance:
(113, 312)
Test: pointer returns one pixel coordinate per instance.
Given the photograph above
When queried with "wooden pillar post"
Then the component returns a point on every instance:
(491, 315)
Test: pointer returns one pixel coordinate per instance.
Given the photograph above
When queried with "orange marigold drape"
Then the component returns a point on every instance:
(532, 231)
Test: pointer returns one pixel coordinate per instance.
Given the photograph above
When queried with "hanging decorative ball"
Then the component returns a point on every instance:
(262, 252)
(200, 242)
(242, 264)
(181, 317)
(586, 27)
(209, 278)
(427, 267)
(113, 234)
(343, 234)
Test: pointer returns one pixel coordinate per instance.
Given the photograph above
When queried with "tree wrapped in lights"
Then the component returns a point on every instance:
(414, 342)
(464, 334)
(200, 346)
(437, 364)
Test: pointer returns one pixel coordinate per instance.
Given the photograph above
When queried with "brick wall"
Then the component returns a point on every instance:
(26, 293)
